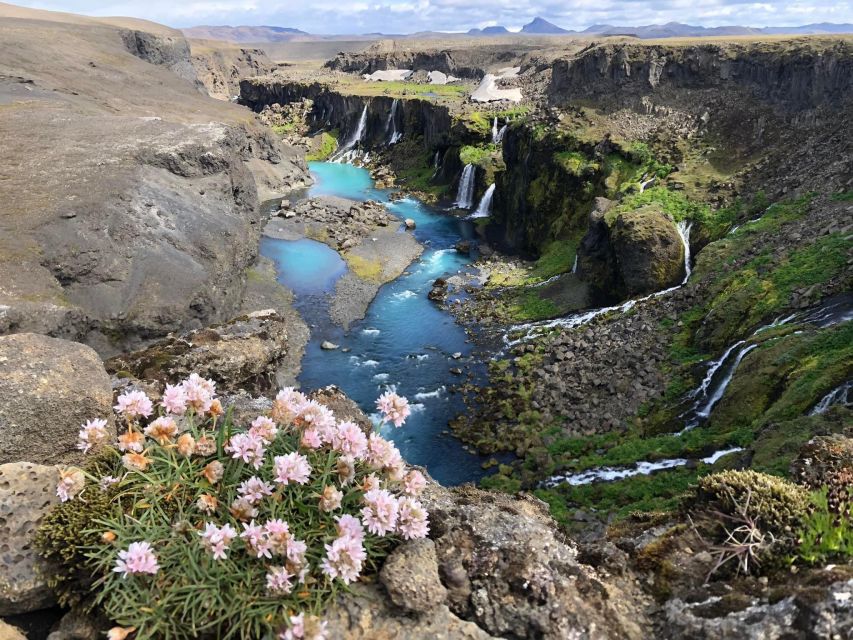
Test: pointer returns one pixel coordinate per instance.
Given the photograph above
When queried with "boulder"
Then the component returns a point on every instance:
(410, 574)
(648, 250)
(245, 353)
(328, 346)
(48, 389)
(27, 493)
(410, 224)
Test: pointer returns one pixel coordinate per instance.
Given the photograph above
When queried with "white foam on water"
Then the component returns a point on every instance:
(371, 332)
(426, 395)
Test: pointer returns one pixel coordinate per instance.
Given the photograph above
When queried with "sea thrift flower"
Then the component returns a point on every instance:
(344, 558)
(304, 628)
(242, 509)
(215, 408)
(380, 512)
(205, 446)
(286, 405)
(106, 482)
(254, 489)
(411, 519)
(248, 448)
(278, 581)
(162, 430)
(134, 404)
(186, 445)
(311, 439)
(217, 540)
(213, 471)
(199, 393)
(370, 483)
(350, 440)
(135, 461)
(138, 558)
(345, 467)
(278, 533)
(207, 503)
(119, 633)
(92, 435)
(394, 408)
(296, 551)
(256, 540)
(381, 453)
(174, 399)
(414, 482)
(330, 499)
(131, 441)
(292, 467)
(314, 414)
(264, 429)
(351, 526)
(71, 482)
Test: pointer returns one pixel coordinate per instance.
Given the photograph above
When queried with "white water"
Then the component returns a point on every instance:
(348, 152)
(465, 194)
(577, 319)
(495, 130)
(501, 133)
(391, 124)
(575, 264)
(839, 395)
(645, 184)
(642, 468)
(484, 209)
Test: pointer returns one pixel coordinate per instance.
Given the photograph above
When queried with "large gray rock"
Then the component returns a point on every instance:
(410, 574)
(27, 493)
(48, 388)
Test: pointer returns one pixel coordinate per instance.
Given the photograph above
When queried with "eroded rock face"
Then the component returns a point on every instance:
(48, 389)
(27, 493)
(410, 575)
(245, 353)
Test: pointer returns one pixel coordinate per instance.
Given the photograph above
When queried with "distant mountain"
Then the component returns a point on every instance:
(680, 30)
(538, 26)
(244, 33)
(809, 29)
(489, 31)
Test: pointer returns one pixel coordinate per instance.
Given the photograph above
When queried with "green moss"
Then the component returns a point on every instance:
(673, 203)
(575, 162)
(364, 268)
(326, 147)
(478, 155)
(282, 129)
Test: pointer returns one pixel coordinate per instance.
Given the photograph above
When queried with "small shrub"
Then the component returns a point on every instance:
(827, 531)
(190, 526)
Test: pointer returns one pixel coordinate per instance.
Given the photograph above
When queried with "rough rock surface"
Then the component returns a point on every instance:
(48, 388)
(8, 632)
(27, 492)
(410, 575)
(245, 353)
(220, 66)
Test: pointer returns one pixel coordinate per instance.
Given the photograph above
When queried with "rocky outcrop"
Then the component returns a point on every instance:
(48, 389)
(172, 52)
(244, 353)
(220, 66)
(27, 493)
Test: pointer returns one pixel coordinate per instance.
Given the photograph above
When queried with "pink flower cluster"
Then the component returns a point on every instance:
(274, 538)
(196, 393)
(93, 435)
(304, 628)
(395, 409)
(292, 467)
(134, 404)
(346, 554)
(217, 540)
(384, 514)
(137, 558)
(248, 448)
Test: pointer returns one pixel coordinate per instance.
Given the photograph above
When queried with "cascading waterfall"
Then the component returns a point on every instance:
(435, 160)
(495, 130)
(484, 209)
(348, 153)
(575, 264)
(465, 194)
(839, 395)
(577, 319)
(501, 133)
(391, 124)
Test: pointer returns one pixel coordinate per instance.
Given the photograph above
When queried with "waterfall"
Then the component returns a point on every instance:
(391, 124)
(683, 229)
(495, 130)
(465, 194)
(839, 395)
(345, 154)
(575, 264)
(435, 161)
(645, 184)
(501, 134)
(484, 209)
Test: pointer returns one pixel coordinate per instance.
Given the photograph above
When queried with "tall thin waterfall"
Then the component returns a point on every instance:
(484, 209)
(575, 265)
(684, 228)
(465, 194)
(345, 152)
(391, 124)
(495, 130)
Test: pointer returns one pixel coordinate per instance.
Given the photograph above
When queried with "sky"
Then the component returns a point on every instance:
(409, 16)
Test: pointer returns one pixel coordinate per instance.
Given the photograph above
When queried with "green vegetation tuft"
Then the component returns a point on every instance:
(326, 147)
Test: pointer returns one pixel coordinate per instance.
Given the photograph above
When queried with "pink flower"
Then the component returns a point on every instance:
(350, 440)
(292, 467)
(71, 482)
(412, 519)
(380, 511)
(278, 581)
(330, 499)
(394, 408)
(414, 482)
(254, 489)
(174, 399)
(278, 533)
(302, 628)
(351, 526)
(256, 540)
(133, 404)
(264, 429)
(162, 430)
(217, 540)
(199, 393)
(311, 439)
(296, 551)
(138, 558)
(314, 414)
(248, 448)
(242, 509)
(286, 405)
(344, 558)
(381, 453)
(92, 435)
(107, 481)
(131, 441)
